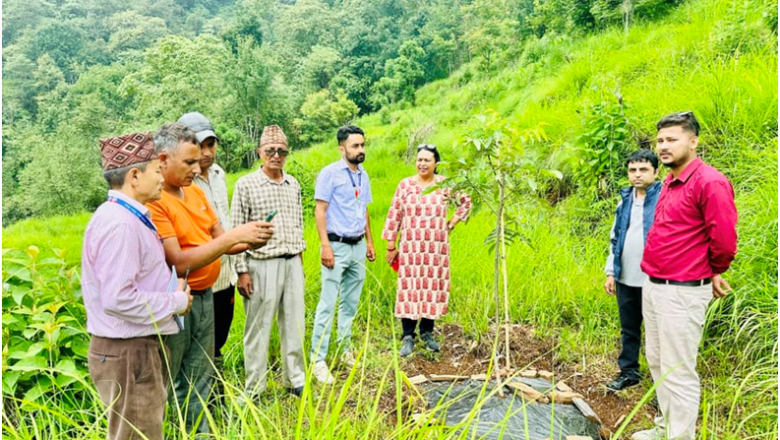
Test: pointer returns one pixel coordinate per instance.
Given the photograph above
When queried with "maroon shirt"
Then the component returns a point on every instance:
(693, 235)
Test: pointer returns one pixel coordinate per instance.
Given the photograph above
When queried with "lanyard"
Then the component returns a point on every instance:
(144, 219)
(359, 185)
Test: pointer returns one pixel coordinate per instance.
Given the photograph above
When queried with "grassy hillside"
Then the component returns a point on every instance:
(716, 58)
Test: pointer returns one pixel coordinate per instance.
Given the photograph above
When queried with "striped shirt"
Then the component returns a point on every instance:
(254, 196)
(124, 275)
(217, 194)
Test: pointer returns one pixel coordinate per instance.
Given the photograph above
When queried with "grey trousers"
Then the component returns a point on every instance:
(191, 362)
(278, 291)
(345, 279)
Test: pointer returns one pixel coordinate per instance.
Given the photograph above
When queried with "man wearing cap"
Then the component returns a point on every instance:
(212, 181)
(342, 195)
(124, 285)
(692, 242)
(194, 240)
(271, 278)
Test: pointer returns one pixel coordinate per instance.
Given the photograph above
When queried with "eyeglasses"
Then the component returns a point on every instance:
(281, 152)
(428, 147)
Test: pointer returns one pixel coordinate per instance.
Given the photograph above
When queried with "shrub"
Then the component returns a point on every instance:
(45, 341)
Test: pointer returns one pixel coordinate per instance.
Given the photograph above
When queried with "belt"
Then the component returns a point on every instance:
(287, 256)
(701, 282)
(345, 240)
(199, 292)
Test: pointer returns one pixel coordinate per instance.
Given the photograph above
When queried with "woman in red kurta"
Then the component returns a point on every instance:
(423, 253)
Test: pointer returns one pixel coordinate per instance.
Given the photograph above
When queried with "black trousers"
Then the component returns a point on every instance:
(630, 308)
(410, 325)
(224, 301)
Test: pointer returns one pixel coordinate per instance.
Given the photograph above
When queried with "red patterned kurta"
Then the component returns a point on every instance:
(424, 249)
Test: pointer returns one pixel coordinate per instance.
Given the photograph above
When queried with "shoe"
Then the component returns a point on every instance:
(322, 373)
(347, 359)
(622, 382)
(407, 346)
(649, 434)
(430, 342)
(297, 391)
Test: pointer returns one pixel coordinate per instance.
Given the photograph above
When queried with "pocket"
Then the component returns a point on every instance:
(696, 300)
(142, 369)
(101, 365)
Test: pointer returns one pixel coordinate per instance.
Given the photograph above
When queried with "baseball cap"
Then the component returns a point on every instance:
(200, 124)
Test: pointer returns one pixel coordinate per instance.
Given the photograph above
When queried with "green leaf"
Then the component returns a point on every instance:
(33, 251)
(10, 378)
(18, 293)
(42, 387)
(81, 349)
(20, 273)
(67, 366)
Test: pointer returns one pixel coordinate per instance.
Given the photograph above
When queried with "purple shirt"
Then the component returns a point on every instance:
(694, 234)
(124, 275)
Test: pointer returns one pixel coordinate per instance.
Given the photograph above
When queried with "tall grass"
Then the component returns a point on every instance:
(713, 57)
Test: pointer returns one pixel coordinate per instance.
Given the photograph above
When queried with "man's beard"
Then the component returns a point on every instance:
(357, 159)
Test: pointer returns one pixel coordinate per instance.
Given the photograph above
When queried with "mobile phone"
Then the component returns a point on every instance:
(271, 215)
(186, 276)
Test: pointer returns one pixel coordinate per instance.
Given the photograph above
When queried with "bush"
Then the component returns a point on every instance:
(63, 176)
(322, 112)
(45, 342)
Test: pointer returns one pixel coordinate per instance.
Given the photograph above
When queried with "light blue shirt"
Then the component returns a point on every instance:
(346, 212)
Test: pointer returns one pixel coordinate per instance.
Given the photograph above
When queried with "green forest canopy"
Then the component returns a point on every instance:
(74, 71)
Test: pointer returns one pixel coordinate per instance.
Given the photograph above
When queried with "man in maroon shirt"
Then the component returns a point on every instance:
(691, 243)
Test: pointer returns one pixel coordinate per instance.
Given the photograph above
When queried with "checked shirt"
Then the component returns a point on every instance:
(254, 196)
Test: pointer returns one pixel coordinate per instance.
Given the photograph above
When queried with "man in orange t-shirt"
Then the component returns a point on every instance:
(193, 239)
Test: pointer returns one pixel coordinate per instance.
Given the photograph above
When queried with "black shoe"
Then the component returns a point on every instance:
(407, 346)
(297, 391)
(622, 382)
(430, 342)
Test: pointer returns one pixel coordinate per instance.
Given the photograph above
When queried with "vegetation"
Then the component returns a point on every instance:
(574, 68)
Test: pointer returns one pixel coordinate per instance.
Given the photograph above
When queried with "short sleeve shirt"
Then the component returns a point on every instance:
(348, 194)
(190, 221)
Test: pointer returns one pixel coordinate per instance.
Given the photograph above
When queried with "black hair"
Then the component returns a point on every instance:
(643, 155)
(432, 148)
(687, 120)
(116, 176)
(347, 130)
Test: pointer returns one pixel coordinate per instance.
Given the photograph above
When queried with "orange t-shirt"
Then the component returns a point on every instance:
(190, 221)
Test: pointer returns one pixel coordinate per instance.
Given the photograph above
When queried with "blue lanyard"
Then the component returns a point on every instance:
(135, 212)
(357, 187)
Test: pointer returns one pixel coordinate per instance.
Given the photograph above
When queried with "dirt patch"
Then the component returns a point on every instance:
(462, 355)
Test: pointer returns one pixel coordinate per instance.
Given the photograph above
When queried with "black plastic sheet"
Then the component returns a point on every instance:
(508, 417)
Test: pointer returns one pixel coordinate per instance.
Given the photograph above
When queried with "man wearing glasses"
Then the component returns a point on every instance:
(271, 278)
(692, 242)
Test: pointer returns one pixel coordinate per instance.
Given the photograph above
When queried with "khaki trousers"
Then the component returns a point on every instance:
(278, 291)
(129, 377)
(674, 318)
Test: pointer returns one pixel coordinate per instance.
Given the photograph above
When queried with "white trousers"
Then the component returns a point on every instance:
(278, 289)
(674, 318)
